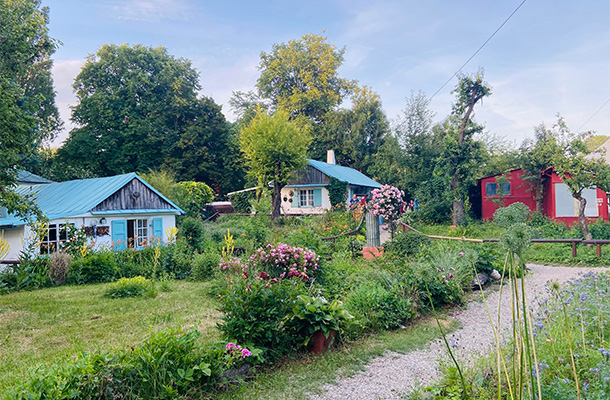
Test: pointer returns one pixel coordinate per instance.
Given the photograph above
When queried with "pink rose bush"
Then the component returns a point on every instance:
(271, 263)
(284, 261)
(386, 202)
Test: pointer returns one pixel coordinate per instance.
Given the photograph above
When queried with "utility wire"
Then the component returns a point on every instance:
(594, 114)
(476, 52)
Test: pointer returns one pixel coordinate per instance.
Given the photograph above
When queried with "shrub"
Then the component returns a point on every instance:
(600, 230)
(94, 268)
(375, 308)
(407, 244)
(191, 230)
(182, 257)
(168, 365)
(514, 214)
(241, 201)
(28, 274)
(257, 230)
(130, 287)
(58, 268)
(312, 314)
(205, 265)
(255, 310)
(284, 260)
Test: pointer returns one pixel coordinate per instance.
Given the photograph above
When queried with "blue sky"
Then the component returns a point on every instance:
(552, 57)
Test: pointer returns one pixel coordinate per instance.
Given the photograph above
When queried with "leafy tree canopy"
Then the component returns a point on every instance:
(138, 110)
(28, 115)
(274, 146)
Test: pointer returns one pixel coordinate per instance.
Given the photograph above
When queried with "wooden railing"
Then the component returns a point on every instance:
(574, 242)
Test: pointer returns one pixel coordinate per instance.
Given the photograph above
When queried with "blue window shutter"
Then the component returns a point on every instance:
(295, 199)
(119, 234)
(157, 228)
(317, 197)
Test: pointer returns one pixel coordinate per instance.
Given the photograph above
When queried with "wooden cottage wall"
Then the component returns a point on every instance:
(309, 175)
(133, 196)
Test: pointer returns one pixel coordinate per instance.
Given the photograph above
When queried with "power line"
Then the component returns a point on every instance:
(476, 52)
(594, 114)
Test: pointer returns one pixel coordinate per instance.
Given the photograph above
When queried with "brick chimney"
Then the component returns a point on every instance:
(330, 157)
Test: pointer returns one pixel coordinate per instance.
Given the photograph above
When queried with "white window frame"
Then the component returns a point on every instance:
(48, 246)
(306, 198)
(140, 232)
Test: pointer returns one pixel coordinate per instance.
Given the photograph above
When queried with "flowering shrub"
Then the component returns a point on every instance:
(284, 261)
(386, 202)
(255, 310)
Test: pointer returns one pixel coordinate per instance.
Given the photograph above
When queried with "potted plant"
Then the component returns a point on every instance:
(318, 320)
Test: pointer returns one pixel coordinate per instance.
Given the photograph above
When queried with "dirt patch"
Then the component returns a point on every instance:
(10, 316)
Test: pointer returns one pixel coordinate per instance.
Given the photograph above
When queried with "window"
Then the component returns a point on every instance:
(137, 232)
(491, 189)
(141, 232)
(56, 234)
(306, 198)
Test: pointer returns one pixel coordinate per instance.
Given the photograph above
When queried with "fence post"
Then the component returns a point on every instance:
(372, 230)
(599, 250)
(573, 249)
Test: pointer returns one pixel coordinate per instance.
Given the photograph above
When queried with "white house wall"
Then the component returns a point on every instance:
(14, 237)
(287, 205)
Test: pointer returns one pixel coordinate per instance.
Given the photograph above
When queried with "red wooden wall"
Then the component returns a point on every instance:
(520, 192)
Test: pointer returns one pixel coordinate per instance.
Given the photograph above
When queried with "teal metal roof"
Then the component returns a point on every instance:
(25, 177)
(349, 175)
(65, 199)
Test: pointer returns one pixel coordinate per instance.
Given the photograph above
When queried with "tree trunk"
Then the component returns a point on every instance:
(459, 215)
(276, 200)
(582, 203)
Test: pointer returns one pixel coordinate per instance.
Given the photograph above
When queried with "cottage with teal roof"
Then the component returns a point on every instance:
(307, 192)
(115, 212)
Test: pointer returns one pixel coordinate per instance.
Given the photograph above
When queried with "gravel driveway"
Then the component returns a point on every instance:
(393, 374)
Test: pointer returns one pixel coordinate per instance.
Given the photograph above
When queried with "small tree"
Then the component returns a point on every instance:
(461, 148)
(578, 171)
(274, 146)
(536, 157)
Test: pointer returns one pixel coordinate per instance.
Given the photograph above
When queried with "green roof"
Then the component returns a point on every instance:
(66, 199)
(349, 175)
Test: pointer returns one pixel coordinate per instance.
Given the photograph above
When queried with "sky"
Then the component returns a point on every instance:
(552, 56)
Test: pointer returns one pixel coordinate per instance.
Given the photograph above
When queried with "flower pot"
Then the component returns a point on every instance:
(320, 343)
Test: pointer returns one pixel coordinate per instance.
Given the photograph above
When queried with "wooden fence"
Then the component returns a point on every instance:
(574, 242)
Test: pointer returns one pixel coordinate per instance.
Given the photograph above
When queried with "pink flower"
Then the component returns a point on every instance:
(231, 345)
(246, 353)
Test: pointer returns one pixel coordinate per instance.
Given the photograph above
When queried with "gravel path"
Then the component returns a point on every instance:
(393, 374)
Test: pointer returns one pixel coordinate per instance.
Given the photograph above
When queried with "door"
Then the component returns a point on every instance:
(119, 234)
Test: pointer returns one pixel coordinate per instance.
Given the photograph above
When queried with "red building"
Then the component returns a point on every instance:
(558, 203)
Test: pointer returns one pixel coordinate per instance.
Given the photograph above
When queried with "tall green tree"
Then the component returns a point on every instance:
(462, 152)
(301, 77)
(28, 115)
(274, 146)
(138, 109)
(579, 169)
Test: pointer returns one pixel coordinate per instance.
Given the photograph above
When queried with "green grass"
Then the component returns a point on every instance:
(44, 326)
(296, 377)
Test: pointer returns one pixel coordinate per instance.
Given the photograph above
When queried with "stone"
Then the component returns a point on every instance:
(495, 275)
(481, 279)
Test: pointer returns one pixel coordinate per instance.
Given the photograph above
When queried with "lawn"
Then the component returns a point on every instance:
(43, 326)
